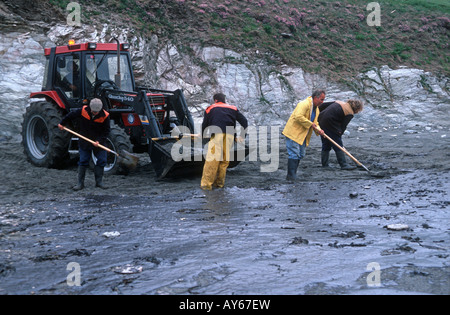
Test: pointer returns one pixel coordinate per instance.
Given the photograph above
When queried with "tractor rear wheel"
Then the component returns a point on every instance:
(44, 144)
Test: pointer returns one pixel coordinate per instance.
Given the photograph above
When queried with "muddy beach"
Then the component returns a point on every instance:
(325, 234)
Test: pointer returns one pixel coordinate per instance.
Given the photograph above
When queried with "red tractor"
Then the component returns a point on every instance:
(141, 119)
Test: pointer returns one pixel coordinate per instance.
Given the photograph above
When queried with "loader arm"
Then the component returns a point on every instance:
(182, 111)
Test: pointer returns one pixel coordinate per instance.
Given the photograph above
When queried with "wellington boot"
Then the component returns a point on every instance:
(81, 176)
(340, 155)
(325, 159)
(98, 174)
(292, 169)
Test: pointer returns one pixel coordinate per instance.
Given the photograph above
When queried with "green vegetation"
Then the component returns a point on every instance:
(60, 3)
(400, 50)
(426, 6)
(330, 37)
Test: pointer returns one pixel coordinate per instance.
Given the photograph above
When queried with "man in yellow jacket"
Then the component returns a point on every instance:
(299, 128)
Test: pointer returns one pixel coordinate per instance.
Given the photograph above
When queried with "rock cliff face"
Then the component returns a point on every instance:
(266, 93)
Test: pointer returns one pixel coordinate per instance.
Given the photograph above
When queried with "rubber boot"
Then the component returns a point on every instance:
(340, 155)
(325, 159)
(292, 169)
(81, 176)
(98, 174)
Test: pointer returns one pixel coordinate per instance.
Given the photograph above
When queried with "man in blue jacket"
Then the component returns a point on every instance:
(218, 117)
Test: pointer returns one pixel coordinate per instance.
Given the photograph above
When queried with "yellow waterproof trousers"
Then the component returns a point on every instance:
(217, 161)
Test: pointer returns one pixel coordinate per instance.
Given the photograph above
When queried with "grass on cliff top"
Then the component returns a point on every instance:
(328, 37)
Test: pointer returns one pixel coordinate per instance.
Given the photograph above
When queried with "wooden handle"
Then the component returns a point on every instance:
(343, 149)
(89, 140)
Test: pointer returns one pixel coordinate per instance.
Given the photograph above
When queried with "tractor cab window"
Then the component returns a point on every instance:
(68, 75)
(45, 81)
(101, 71)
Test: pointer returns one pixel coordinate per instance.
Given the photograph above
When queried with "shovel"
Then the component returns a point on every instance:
(127, 159)
(348, 153)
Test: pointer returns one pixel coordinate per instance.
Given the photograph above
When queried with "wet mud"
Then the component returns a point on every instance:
(327, 233)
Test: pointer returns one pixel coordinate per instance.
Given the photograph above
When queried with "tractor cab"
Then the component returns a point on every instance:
(79, 72)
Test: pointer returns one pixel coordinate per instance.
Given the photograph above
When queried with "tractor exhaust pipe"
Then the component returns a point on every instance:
(117, 78)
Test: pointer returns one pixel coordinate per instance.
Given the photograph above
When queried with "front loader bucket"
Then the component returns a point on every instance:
(183, 161)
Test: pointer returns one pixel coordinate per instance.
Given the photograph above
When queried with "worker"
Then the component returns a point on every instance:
(71, 82)
(299, 128)
(94, 123)
(333, 119)
(220, 119)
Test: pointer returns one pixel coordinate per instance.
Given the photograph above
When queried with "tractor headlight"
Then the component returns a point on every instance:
(130, 119)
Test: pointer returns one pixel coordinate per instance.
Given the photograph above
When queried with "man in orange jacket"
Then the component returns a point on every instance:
(219, 117)
(94, 123)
